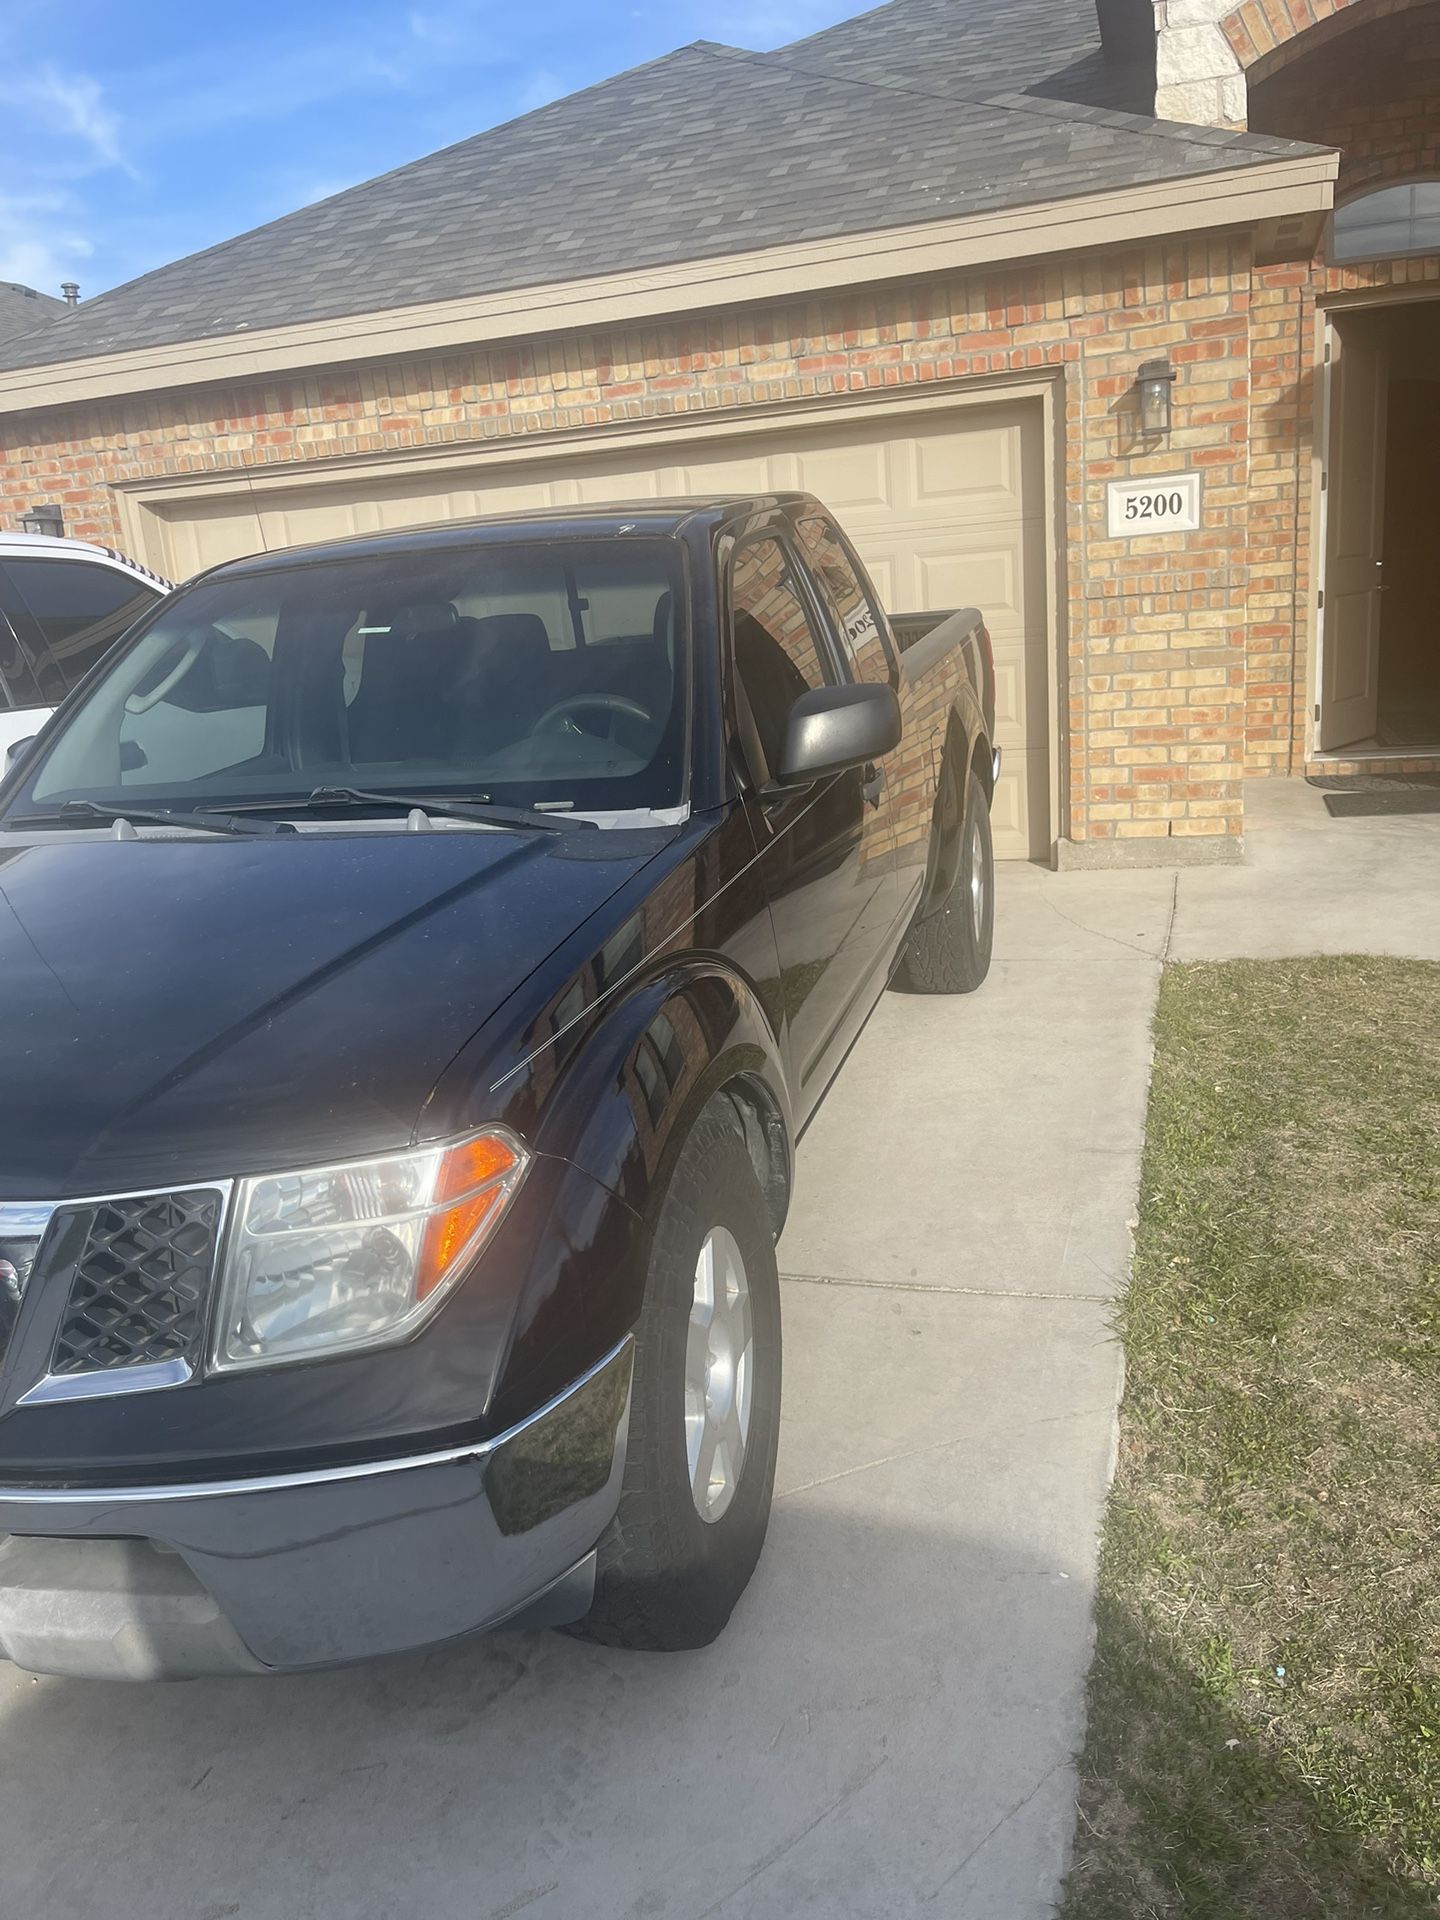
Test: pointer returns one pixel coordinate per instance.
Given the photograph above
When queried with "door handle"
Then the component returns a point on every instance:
(872, 783)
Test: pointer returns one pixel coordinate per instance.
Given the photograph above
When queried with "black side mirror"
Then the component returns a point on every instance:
(17, 750)
(830, 729)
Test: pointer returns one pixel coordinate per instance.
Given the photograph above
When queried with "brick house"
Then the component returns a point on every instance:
(916, 264)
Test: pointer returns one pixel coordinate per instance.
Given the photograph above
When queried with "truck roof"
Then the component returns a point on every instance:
(49, 546)
(657, 518)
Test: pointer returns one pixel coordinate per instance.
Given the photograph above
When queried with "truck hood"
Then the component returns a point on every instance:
(185, 1009)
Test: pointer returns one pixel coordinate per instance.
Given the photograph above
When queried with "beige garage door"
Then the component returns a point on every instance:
(946, 507)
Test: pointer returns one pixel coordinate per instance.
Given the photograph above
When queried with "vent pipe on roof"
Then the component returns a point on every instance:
(1127, 27)
(70, 292)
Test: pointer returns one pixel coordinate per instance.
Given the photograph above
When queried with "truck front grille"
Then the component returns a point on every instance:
(141, 1283)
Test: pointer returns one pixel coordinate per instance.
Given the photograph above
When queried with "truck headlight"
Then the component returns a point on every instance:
(331, 1259)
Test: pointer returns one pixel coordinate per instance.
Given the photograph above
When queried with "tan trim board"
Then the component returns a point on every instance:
(1234, 197)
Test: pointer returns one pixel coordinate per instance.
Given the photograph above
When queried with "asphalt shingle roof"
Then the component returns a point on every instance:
(1046, 47)
(706, 152)
(22, 309)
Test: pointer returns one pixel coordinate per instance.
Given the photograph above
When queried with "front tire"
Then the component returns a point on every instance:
(705, 1408)
(948, 950)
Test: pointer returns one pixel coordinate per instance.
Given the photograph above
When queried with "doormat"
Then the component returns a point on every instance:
(1374, 782)
(1353, 806)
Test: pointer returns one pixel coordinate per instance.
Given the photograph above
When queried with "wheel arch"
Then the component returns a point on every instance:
(959, 753)
(626, 1101)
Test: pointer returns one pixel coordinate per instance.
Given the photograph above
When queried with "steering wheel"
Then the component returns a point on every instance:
(613, 703)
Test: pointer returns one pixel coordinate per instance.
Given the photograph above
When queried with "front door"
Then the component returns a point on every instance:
(1355, 520)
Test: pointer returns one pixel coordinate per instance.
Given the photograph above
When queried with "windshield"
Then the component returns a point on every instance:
(543, 674)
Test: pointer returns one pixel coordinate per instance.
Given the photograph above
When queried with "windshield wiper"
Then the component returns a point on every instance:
(483, 812)
(70, 811)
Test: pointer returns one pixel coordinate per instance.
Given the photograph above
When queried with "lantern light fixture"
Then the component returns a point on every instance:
(1154, 384)
(47, 519)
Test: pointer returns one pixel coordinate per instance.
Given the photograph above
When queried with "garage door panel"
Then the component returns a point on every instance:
(1009, 811)
(719, 476)
(854, 480)
(203, 535)
(1012, 702)
(946, 509)
(594, 489)
(885, 574)
(978, 474)
(992, 578)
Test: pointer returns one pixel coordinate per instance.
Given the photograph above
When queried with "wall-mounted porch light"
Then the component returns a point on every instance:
(1154, 383)
(49, 519)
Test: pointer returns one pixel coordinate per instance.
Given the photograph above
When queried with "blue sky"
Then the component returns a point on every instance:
(131, 134)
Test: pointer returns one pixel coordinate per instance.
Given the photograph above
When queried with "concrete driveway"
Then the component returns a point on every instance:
(886, 1729)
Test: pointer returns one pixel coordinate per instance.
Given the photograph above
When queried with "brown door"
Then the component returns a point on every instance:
(1355, 522)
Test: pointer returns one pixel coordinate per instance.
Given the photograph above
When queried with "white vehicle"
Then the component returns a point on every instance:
(62, 603)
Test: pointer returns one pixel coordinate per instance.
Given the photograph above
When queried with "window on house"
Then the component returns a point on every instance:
(1392, 220)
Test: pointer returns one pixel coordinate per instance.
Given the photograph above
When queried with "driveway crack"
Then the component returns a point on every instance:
(922, 1286)
(984, 1841)
(1095, 933)
(1170, 923)
(777, 1854)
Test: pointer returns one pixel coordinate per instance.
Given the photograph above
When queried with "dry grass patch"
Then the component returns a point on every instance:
(1264, 1735)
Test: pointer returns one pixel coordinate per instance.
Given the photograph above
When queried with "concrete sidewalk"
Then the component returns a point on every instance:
(887, 1728)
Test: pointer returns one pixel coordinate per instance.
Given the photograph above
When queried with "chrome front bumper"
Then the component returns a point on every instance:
(311, 1569)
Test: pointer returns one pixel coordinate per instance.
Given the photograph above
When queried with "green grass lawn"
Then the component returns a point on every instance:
(1264, 1731)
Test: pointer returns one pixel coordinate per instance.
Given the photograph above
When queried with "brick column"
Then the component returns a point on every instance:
(1158, 623)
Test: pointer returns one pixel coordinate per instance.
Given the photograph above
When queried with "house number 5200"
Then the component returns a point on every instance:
(1166, 504)
(1155, 506)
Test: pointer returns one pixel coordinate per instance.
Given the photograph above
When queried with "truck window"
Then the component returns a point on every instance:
(79, 606)
(862, 632)
(778, 653)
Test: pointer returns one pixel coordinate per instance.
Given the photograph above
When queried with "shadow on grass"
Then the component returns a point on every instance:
(1187, 1813)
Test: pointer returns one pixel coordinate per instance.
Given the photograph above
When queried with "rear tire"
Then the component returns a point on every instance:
(948, 950)
(669, 1575)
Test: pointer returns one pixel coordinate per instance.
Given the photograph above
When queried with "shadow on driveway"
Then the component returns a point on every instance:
(843, 1751)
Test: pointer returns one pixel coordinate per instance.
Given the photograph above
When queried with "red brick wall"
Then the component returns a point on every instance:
(1373, 91)
(1155, 629)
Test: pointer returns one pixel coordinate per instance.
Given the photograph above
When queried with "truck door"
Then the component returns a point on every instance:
(829, 929)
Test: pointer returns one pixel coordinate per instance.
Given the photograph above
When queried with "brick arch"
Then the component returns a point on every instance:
(1265, 34)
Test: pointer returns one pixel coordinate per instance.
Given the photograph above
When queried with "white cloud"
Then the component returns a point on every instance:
(39, 245)
(71, 105)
